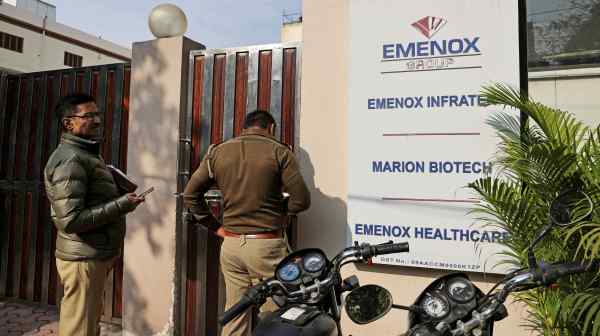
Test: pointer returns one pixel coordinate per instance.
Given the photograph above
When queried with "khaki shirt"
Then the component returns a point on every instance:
(251, 171)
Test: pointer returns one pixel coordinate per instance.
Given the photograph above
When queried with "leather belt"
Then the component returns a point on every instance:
(261, 235)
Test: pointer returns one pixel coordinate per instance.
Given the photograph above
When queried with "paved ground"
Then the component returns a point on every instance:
(19, 318)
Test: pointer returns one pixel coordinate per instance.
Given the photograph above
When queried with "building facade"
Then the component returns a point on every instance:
(31, 40)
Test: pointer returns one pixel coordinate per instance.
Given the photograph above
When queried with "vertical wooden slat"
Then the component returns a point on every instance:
(212, 282)
(191, 315)
(10, 126)
(101, 94)
(288, 96)
(11, 262)
(197, 109)
(40, 226)
(52, 131)
(6, 262)
(86, 85)
(79, 81)
(108, 110)
(35, 271)
(206, 123)
(264, 80)
(19, 223)
(22, 128)
(26, 281)
(64, 84)
(125, 120)
(218, 98)
(54, 286)
(95, 83)
(36, 121)
(241, 85)
(116, 103)
(73, 81)
(3, 115)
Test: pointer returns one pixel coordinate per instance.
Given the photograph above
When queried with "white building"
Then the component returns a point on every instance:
(31, 40)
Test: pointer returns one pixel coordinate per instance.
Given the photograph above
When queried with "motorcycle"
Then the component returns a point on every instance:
(307, 287)
(453, 305)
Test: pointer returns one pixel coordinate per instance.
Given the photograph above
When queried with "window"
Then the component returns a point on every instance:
(11, 42)
(73, 60)
(562, 33)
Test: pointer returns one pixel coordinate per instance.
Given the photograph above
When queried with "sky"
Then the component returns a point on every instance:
(214, 23)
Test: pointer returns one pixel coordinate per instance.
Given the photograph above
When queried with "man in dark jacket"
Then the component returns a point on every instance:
(88, 212)
(252, 171)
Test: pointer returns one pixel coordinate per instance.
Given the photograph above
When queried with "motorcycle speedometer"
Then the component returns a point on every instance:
(313, 262)
(435, 306)
(288, 272)
(460, 290)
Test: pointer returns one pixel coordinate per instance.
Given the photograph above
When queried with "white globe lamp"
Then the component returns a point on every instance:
(167, 20)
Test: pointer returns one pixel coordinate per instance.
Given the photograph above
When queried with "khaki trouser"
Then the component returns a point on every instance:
(81, 305)
(244, 263)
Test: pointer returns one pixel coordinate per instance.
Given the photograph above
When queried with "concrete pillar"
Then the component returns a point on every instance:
(159, 72)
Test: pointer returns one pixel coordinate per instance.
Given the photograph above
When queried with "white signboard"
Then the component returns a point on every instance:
(417, 131)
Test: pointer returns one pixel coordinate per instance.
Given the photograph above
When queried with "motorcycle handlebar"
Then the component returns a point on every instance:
(369, 251)
(236, 310)
(545, 275)
(254, 296)
(549, 274)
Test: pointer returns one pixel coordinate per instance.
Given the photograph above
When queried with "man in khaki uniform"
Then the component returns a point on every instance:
(252, 171)
(88, 212)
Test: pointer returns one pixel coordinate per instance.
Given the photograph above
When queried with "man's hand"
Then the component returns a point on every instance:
(135, 199)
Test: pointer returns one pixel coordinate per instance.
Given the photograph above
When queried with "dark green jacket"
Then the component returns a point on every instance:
(85, 204)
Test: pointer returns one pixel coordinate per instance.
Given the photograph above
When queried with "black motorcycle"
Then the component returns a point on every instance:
(307, 287)
(453, 305)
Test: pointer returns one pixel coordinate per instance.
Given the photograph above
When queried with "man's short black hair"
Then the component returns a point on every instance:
(67, 105)
(259, 118)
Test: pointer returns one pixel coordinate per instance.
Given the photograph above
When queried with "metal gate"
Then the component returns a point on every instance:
(29, 132)
(225, 85)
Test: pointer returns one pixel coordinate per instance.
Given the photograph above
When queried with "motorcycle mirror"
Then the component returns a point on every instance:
(570, 207)
(368, 303)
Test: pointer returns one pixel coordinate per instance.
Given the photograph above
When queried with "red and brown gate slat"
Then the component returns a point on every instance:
(225, 85)
(29, 132)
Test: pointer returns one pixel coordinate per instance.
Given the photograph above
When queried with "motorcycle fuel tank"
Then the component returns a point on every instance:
(297, 320)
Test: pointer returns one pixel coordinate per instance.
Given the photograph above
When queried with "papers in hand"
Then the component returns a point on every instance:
(124, 183)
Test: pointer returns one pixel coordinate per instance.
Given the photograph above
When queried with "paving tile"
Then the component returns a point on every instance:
(21, 318)
(13, 333)
(22, 311)
(48, 317)
(50, 326)
(7, 309)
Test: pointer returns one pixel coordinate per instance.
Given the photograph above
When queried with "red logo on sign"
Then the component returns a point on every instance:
(429, 25)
